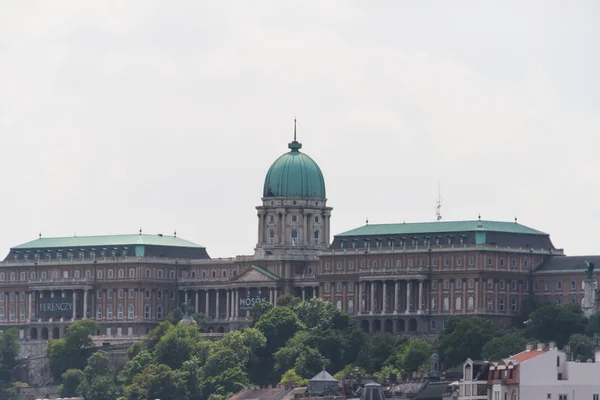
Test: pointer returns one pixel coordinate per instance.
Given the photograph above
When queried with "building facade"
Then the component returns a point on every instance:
(398, 278)
(543, 373)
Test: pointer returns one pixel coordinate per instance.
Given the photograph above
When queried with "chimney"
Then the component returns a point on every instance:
(551, 345)
(597, 357)
(529, 347)
(540, 346)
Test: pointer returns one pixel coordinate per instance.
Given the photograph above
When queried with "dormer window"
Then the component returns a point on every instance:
(271, 236)
(317, 219)
(294, 237)
(294, 218)
(271, 219)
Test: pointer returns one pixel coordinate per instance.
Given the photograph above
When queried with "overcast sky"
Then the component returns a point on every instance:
(166, 115)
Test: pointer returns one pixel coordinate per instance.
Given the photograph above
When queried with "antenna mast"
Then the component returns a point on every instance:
(438, 205)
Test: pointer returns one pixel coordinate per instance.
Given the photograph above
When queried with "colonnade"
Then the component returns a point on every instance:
(229, 303)
(396, 296)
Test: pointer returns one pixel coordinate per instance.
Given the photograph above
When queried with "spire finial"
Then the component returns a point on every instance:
(175, 233)
(367, 221)
(140, 231)
(479, 216)
(515, 219)
(294, 129)
(40, 235)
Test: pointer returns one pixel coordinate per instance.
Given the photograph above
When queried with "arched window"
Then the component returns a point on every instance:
(316, 237)
(433, 304)
(470, 303)
(159, 311)
(147, 311)
(109, 311)
(110, 274)
(458, 304)
(327, 288)
(558, 301)
(446, 304)
(99, 312)
(121, 274)
(130, 312)
(513, 304)
(501, 304)
(350, 306)
(271, 236)
(119, 311)
(490, 303)
(294, 237)
(76, 274)
(338, 304)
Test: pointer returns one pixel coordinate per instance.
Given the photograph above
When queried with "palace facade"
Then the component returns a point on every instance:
(399, 278)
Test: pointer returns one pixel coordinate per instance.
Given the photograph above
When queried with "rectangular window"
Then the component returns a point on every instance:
(131, 293)
(327, 267)
(350, 265)
(471, 261)
(147, 273)
(339, 265)
(490, 262)
(446, 283)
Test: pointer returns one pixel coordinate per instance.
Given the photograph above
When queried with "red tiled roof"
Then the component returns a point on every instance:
(527, 355)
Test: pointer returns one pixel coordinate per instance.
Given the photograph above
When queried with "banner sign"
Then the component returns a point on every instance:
(246, 303)
(56, 307)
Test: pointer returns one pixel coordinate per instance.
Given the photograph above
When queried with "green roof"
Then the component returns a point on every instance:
(265, 271)
(107, 241)
(441, 227)
(294, 174)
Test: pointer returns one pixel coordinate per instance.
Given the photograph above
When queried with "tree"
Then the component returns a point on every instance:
(291, 379)
(258, 310)
(178, 344)
(310, 362)
(73, 350)
(464, 338)
(594, 324)
(288, 300)
(376, 350)
(98, 382)
(581, 347)
(157, 381)
(504, 346)
(556, 323)
(9, 350)
(71, 380)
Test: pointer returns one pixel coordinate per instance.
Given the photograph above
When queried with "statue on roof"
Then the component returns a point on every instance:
(590, 271)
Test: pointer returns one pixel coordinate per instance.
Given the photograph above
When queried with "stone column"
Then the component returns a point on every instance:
(420, 296)
(85, 304)
(315, 292)
(283, 226)
(74, 304)
(408, 296)
(303, 294)
(360, 298)
(261, 226)
(275, 294)
(236, 303)
(186, 299)
(217, 298)
(197, 301)
(227, 293)
(396, 298)
(29, 306)
(372, 308)
(207, 298)
(305, 230)
(477, 295)
(384, 297)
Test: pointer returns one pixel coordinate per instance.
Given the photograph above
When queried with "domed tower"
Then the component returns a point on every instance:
(294, 213)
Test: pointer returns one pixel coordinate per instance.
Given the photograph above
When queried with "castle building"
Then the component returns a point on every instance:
(397, 278)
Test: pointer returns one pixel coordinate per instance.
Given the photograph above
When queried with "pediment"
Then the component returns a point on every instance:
(256, 274)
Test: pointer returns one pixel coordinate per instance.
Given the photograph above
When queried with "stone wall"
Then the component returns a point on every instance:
(33, 393)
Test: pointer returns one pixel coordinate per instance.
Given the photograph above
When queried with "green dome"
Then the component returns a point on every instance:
(294, 174)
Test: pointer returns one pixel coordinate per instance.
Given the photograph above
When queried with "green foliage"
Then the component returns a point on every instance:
(556, 323)
(594, 324)
(258, 310)
(464, 338)
(375, 351)
(157, 381)
(9, 350)
(178, 344)
(73, 350)
(291, 379)
(310, 362)
(135, 349)
(288, 300)
(71, 380)
(581, 347)
(98, 381)
(504, 346)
